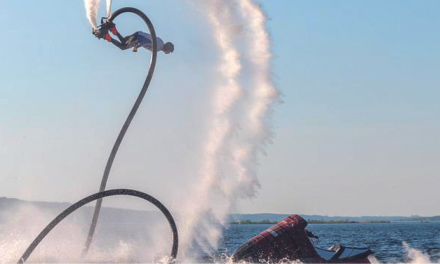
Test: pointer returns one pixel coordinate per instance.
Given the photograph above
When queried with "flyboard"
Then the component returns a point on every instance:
(116, 192)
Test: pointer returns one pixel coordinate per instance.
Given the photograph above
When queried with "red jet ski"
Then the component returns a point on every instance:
(289, 240)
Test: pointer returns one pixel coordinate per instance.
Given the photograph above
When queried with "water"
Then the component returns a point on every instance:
(385, 240)
(138, 242)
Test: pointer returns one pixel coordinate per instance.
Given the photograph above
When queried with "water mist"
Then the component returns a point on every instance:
(92, 7)
(240, 122)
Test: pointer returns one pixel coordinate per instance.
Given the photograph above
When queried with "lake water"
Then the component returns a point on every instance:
(65, 244)
(385, 240)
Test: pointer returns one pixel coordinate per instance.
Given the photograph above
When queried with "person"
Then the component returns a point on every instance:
(310, 234)
(135, 41)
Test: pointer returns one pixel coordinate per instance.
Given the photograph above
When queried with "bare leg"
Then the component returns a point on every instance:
(120, 45)
(116, 33)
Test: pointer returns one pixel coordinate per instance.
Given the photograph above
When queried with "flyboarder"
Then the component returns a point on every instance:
(134, 41)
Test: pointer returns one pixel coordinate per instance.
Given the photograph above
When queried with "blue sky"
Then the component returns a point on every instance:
(358, 132)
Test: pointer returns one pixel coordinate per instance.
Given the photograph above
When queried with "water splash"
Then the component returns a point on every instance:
(417, 256)
(240, 121)
(262, 95)
(412, 256)
(202, 224)
(116, 243)
(92, 7)
(109, 7)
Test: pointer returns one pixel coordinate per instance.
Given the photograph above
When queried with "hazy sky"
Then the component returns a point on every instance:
(358, 133)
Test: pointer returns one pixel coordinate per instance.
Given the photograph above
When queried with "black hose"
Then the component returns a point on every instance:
(127, 121)
(97, 196)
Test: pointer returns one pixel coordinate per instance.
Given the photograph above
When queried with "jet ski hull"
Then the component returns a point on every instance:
(289, 240)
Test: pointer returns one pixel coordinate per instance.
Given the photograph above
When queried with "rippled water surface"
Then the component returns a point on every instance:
(135, 243)
(386, 240)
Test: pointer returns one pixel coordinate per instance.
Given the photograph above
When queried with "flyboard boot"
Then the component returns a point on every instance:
(102, 32)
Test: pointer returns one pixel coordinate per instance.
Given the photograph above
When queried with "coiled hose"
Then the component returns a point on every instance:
(98, 196)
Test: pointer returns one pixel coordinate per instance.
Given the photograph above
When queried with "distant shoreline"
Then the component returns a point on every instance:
(310, 221)
(347, 222)
(8, 205)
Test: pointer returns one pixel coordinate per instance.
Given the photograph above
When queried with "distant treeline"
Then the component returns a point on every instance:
(249, 222)
(310, 221)
(274, 218)
(8, 205)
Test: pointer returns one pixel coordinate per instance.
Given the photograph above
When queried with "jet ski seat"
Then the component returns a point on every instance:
(339, 253)
(331, 254)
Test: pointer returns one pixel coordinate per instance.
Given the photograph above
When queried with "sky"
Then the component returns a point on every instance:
(358, 132)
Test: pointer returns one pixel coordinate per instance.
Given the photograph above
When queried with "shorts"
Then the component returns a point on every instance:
(136, 40)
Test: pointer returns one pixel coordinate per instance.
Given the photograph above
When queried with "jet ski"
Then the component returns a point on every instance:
(290, 241)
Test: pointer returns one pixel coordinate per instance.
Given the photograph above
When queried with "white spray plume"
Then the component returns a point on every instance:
(109, 7)
(239, 127)
(414, 256)
(92, 7)
(202, 223)
(20, 225)
(262, 95)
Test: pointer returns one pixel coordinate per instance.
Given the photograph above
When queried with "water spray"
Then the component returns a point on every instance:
(222, 128)
(262, 95)
(109, 7)
(92, 7)
(239, 129)
(99, 196)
